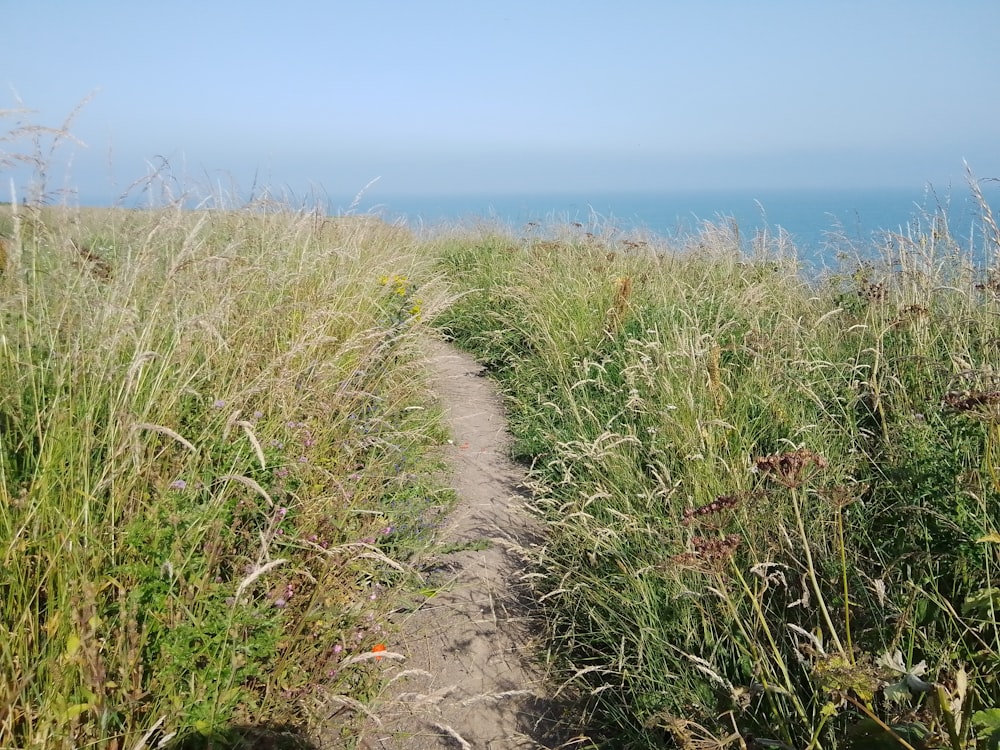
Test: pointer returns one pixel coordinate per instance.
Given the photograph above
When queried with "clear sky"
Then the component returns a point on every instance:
(514, 96)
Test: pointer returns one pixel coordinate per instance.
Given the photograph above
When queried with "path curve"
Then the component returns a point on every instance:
(469, 680)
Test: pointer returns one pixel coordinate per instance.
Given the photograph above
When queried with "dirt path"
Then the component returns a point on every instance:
(468, 680)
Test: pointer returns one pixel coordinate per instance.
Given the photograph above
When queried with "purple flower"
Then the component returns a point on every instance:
(338, 648)
(218, 403)
(258, 414)
(279, 603)
(178, 484)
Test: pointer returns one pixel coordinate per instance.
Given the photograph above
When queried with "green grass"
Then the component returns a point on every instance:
(216, 456)
(758, 489)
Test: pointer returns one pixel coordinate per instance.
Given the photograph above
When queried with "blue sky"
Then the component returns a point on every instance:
(518, 96)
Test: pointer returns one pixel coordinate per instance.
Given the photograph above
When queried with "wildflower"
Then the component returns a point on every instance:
(280, 603)
(218, 404)
(842, 675)
(282, 512)
(337, 648)
(378, 648)
(258, 414)
(388, 530)
(178, 484)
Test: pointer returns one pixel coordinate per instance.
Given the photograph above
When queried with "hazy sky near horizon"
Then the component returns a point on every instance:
(514, 96)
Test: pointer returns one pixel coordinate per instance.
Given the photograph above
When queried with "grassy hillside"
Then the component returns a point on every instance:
(773, 502)
(214, 462)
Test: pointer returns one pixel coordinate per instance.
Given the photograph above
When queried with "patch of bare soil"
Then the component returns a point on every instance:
(471, 677)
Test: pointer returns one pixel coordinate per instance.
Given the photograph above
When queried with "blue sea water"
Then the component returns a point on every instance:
(819, 223)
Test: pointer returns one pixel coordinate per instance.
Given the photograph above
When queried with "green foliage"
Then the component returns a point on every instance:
(759, 490)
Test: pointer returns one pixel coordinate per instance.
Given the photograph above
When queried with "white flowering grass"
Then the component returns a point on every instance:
(209, 455)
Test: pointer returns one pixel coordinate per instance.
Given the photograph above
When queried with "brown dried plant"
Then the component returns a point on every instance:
(620, 307)
(790, 469)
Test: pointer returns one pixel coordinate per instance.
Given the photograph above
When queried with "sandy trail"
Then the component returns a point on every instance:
(469, 680)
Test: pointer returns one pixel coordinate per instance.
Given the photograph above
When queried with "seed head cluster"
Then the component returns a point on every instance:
(790, 468)
(708, 553)
(873, 291)
(971, 400)
(715, 548)
(721, 503)
(991, 285)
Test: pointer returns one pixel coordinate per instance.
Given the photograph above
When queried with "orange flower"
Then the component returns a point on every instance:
(378, 648)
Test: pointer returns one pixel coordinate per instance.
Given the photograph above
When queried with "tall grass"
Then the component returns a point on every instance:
(213, 460)
(772, 501)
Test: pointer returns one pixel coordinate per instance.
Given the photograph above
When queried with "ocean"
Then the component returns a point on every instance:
(819, 223)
